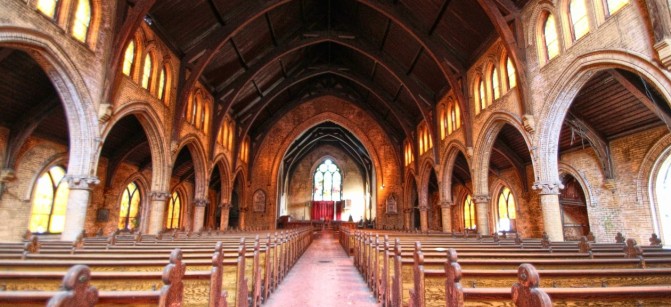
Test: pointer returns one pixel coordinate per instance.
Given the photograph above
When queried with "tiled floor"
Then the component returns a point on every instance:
(323, 276)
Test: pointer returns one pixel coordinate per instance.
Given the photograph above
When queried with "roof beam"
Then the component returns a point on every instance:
(439, 17)
(515, 161)
(595, 139)
(641, 96)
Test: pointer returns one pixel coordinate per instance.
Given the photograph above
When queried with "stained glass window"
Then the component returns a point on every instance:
(327, 182)
(443, 124)
(481, 95)
(129, 207)
(174, 211)
(615, 5)
(81, 21)
(50, 199)
(550, 37)
(512, 74)
(146, 72)
(469, 213)
(129, 59)
(455, 114)
(579, 21)
(506, 208)
(47, 7)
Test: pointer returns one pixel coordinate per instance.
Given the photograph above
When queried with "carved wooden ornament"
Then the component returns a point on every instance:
(453, 290)
(525, 292)
(173, 288)
(76, 290)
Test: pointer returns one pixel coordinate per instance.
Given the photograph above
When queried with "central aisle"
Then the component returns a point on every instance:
(323, 276)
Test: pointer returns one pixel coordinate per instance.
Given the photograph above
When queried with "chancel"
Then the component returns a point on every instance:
(397, 153)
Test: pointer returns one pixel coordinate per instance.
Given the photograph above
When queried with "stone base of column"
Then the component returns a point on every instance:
(75, 214)
(482, 213)
(552, 216)
(446, 212)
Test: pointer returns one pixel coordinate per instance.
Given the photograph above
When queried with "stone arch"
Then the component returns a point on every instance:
(590, 197)
(427, 166)
(449, 157)
(647, 174)
(225, 174)
(79, 106)
(151, 123)
(561, 96)
(192, 143)
(485, 143)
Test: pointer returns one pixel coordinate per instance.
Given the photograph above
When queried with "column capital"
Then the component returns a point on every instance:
(482, 198)
(199, 202)
(424, 208)
(159, 195)
(225, 205)
(548, 188)
(446, 204)
(79, 182)
(7, 175)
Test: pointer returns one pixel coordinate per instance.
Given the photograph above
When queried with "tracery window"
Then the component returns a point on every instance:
(50, 199)
(443, 123)
(409, 155)
(327, 182)
(496, 89)
(47, 7)
(550, 37)
(612, 6)
(129, 207)
(579, 20)
(174, 211)
(81, 20)
(129, 59)
(469, 213)
(146, 71)
(511, 73)
(481, 95)
(506, 209)
(455, 116)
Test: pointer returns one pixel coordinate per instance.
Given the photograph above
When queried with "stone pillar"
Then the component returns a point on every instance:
(225, 210)
(78, 202)
(241, 217)
(407, 222)
(157, 211)
(199, 214)
(551, 212)
(424, 218)
(482, 213)
(446, 211)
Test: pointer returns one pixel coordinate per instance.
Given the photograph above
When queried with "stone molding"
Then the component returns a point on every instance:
(225, 206)
(548, 188)
(446, 204)
(7, 175)
(159, 195)
(200, 203)
(481, 198)
(81, 182)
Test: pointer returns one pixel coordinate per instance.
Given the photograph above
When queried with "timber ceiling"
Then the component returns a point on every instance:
(373, 52)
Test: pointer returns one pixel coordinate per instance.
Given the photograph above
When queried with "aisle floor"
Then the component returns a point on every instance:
(323, 276)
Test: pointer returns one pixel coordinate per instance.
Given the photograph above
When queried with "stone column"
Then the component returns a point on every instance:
(241, 217)
(225, 210)
(551, 212)
(199, 214)
(78, 202)
(157, 211)
(482, 213)
(446, 211)
(407, 223)
(424, 218)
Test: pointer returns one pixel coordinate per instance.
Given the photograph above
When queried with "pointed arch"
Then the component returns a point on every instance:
(449, 157)
(197, 151)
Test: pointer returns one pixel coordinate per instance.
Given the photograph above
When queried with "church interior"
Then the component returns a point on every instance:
(402, 131)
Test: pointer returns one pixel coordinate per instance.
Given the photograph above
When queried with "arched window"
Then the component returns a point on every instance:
(174, 211)
(161, 85)
(194, 108)
(231, 135)
(469, 213)
(129, 59)
(327, 181)
(443, 123)
(612, 6)
(550, 37)
(146, 71)
(205, 118)
(506, 209)
(48, 7)
(496, 89)
(481, 95)
(129, 207)
(579, 21)
(662, 188)
(455, 114)
(81, 20)
(511, 73)
(50, 200)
